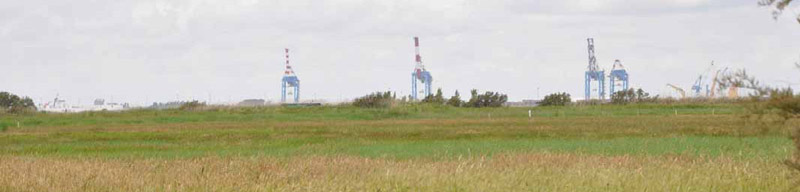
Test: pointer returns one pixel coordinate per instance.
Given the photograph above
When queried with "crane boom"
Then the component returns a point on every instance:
(678, 89)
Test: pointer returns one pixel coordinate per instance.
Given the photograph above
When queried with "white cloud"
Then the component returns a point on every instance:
(144, 51)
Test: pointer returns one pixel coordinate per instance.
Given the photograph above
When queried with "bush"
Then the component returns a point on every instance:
(375, 100)
(14, 104)
(488, 99)
(435, 99)
(556, 99)
(630, 96)
(455, 101)
(192, 105)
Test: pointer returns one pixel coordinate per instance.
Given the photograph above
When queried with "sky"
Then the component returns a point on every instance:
(145, 51)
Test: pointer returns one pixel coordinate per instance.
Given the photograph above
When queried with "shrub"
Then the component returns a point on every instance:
(455, 101)
(435, 99)
(14, 104)
(556, 99)
(630, 96)
(192, 105)
(487, 99)
(375, 100)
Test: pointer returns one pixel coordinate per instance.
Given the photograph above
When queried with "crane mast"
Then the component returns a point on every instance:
(594, 73)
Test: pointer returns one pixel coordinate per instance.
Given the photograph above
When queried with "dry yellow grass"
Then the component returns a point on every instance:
(511, 172)
(346, 149)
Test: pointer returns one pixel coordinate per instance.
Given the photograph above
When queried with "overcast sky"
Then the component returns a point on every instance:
(146, 51)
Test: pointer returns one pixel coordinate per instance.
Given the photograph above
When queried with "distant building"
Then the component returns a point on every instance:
(60, 106)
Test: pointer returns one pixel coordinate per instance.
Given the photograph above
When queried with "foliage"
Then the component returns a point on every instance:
(435, 99)
(14, 104)
(192, 105)
(630, 96)
(455, 101)
(556, 99)
(375, 100)
(487, 99)
(778, 6)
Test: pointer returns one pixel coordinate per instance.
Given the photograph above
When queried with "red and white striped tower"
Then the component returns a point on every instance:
(290, 84)
(289, 71)
(419, 67)
(420, 75)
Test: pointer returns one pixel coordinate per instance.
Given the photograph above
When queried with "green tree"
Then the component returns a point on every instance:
(487, 99)
(473, 99)
(15, 104)
(556, 99)
(192, 105)
(630, 96)
(455, 100)
(375, 100)
(438, 98)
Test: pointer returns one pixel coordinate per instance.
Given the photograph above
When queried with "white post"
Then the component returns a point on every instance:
(530, 116)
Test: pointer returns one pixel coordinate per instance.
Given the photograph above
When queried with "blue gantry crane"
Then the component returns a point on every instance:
(697, 87)
(420, 75)
(290, 84)
(618, 75)
(594, 73)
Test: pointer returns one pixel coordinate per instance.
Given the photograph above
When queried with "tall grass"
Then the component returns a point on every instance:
(640, 147)
(508, 172)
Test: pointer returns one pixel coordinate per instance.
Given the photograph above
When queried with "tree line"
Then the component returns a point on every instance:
(10, 103)
(477, 100)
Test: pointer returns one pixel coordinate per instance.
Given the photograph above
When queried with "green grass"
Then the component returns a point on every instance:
(148, 117)
(402, 132)
(644, 143)
(774, 148)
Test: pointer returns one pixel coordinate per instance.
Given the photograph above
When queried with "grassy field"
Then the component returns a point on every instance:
(410, 148)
